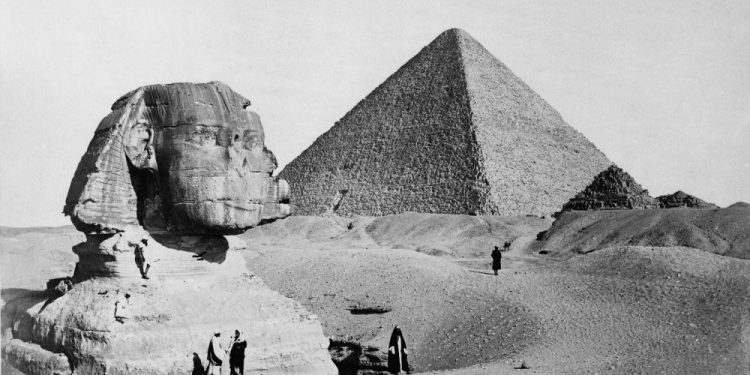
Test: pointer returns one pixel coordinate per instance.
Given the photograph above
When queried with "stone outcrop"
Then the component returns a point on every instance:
(612, 189)
(681, 199)
(452, 131)
(181, 157)
(169, 172)
(113, 321)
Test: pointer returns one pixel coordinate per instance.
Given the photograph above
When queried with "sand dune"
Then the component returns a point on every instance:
(724, 231)
(620, 309)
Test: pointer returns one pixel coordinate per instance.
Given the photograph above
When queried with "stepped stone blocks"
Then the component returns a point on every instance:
(681, 199)
(452, 131)
(612, 189)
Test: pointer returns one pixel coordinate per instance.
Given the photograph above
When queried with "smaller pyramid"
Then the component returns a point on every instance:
(682, 199)
(612, 189)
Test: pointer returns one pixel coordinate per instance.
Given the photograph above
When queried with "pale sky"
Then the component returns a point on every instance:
(661, 87)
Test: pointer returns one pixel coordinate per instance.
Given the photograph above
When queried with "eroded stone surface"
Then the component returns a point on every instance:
(168, 173)
(115, 321)
(612, 189)
(682, 199)
(452, 131)
(187, 158)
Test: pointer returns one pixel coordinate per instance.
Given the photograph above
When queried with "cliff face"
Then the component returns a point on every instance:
(452, 131)
(114, 321)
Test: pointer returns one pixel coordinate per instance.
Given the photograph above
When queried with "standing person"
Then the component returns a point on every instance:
(237, 355)
(121, 307)
(215, 355)
(140, 258)
(497, 259)
(397, 361)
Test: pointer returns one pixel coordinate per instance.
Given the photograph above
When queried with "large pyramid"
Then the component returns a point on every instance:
(452, 131)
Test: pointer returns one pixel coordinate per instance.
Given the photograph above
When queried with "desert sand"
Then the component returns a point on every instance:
(619, 309)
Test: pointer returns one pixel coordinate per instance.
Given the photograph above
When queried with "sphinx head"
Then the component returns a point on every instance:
(185, 158)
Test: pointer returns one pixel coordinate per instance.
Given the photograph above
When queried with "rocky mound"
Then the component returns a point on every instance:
(113, 320)
(740, 205)
(656, 263)
(452, 131)
(611, 189)
(720, 231)
(681, 199)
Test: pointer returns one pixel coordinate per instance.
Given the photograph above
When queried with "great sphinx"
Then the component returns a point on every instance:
(185, 158)
(171, 175)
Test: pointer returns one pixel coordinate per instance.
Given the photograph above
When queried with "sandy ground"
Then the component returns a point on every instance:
(620, 310)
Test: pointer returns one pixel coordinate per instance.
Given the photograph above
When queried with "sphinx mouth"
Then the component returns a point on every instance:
(251, 205)
(245, 206)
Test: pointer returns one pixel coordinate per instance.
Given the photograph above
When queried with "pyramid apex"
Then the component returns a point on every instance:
(457, 33)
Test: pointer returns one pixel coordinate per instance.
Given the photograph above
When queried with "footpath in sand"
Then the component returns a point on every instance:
(618, 310)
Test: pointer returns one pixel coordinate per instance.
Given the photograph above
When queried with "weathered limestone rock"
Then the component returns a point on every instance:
(170, 171)
(113, 321)
(452, 131)
(181, 157)
(612, 189)
(681, 199)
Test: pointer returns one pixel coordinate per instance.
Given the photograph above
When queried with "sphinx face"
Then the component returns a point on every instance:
(214, 172)
(185, 158)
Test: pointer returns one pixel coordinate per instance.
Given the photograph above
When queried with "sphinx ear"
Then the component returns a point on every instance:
(138, 142)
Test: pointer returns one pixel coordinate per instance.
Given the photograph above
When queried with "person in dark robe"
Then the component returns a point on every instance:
(237, 355)
(397, 360)
(197, 365)
(497, 259)
(215, 355)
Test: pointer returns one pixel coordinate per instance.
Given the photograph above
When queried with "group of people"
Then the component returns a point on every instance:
(397, 355)
(397, 352)
(217, 354)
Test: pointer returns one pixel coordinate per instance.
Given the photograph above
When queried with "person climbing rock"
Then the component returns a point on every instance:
(140, 258)
(121, 307)
(497, 259)
(215, 355)
(237, 355)
(397, 361)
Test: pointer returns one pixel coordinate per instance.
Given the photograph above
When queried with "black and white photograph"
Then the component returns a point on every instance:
(374, 187)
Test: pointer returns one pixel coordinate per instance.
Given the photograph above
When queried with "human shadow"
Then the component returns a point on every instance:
(483, 272)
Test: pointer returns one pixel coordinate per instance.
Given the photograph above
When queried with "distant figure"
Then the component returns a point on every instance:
(197, 365)
(121, 307)
(215, 355)
(140, 259)
(497, 259)
(397, 361)
(237, 355)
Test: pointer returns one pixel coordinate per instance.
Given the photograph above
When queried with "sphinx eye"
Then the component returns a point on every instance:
(202, 135)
